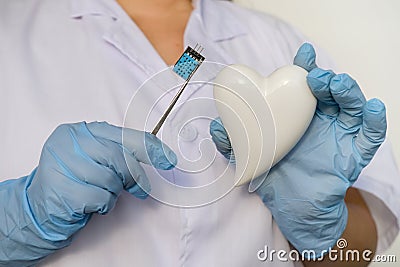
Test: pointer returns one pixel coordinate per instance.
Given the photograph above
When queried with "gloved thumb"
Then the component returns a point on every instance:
(138, 147)
(145, 147)
(221, 139)
(305, 57)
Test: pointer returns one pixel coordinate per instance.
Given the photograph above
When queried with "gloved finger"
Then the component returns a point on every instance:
(373, 129)
(115, 172)
(350, 99)
(98, 163)
(160, 155)
(95, 199)
(220, 138)
(146, 147)
(139, 186)
(305, 57)
(318, 80)
(99, 175)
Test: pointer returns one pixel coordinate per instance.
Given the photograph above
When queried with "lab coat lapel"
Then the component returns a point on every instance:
(123, 34)
(157, 89)
(131, 42)
(126, 37)
(217, 30)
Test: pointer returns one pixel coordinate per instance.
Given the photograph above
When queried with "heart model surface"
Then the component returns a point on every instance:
(263, 116)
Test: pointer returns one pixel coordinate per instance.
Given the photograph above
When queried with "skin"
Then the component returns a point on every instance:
(163, 22)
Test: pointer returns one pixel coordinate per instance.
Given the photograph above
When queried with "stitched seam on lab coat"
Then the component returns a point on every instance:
(185, 237)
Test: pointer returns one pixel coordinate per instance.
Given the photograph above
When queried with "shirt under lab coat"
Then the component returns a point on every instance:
(83, 60)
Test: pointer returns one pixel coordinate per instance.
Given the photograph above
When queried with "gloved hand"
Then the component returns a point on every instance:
(305, 191)
(82, 170)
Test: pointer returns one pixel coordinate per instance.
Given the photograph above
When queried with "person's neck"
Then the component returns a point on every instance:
(139, 8)
(163, 22)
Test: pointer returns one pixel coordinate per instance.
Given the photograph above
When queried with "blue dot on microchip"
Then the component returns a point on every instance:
(185, 66)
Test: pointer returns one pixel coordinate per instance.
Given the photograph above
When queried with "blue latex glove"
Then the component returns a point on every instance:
(305, 191)
(82, 170)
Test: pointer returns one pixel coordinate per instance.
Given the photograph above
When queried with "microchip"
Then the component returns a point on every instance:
(185, 67)
(188, 63)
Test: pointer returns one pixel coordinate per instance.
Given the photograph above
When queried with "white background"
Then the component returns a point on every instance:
(363, 38)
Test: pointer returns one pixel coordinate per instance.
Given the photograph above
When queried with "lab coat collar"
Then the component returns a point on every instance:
(81, 8)
(219, 23)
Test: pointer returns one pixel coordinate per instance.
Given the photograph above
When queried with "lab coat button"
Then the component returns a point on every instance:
(188, 133)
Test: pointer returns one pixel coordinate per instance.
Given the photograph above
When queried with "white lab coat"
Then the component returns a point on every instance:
(82, 60)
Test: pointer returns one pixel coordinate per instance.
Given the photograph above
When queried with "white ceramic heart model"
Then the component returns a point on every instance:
(264, 117)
